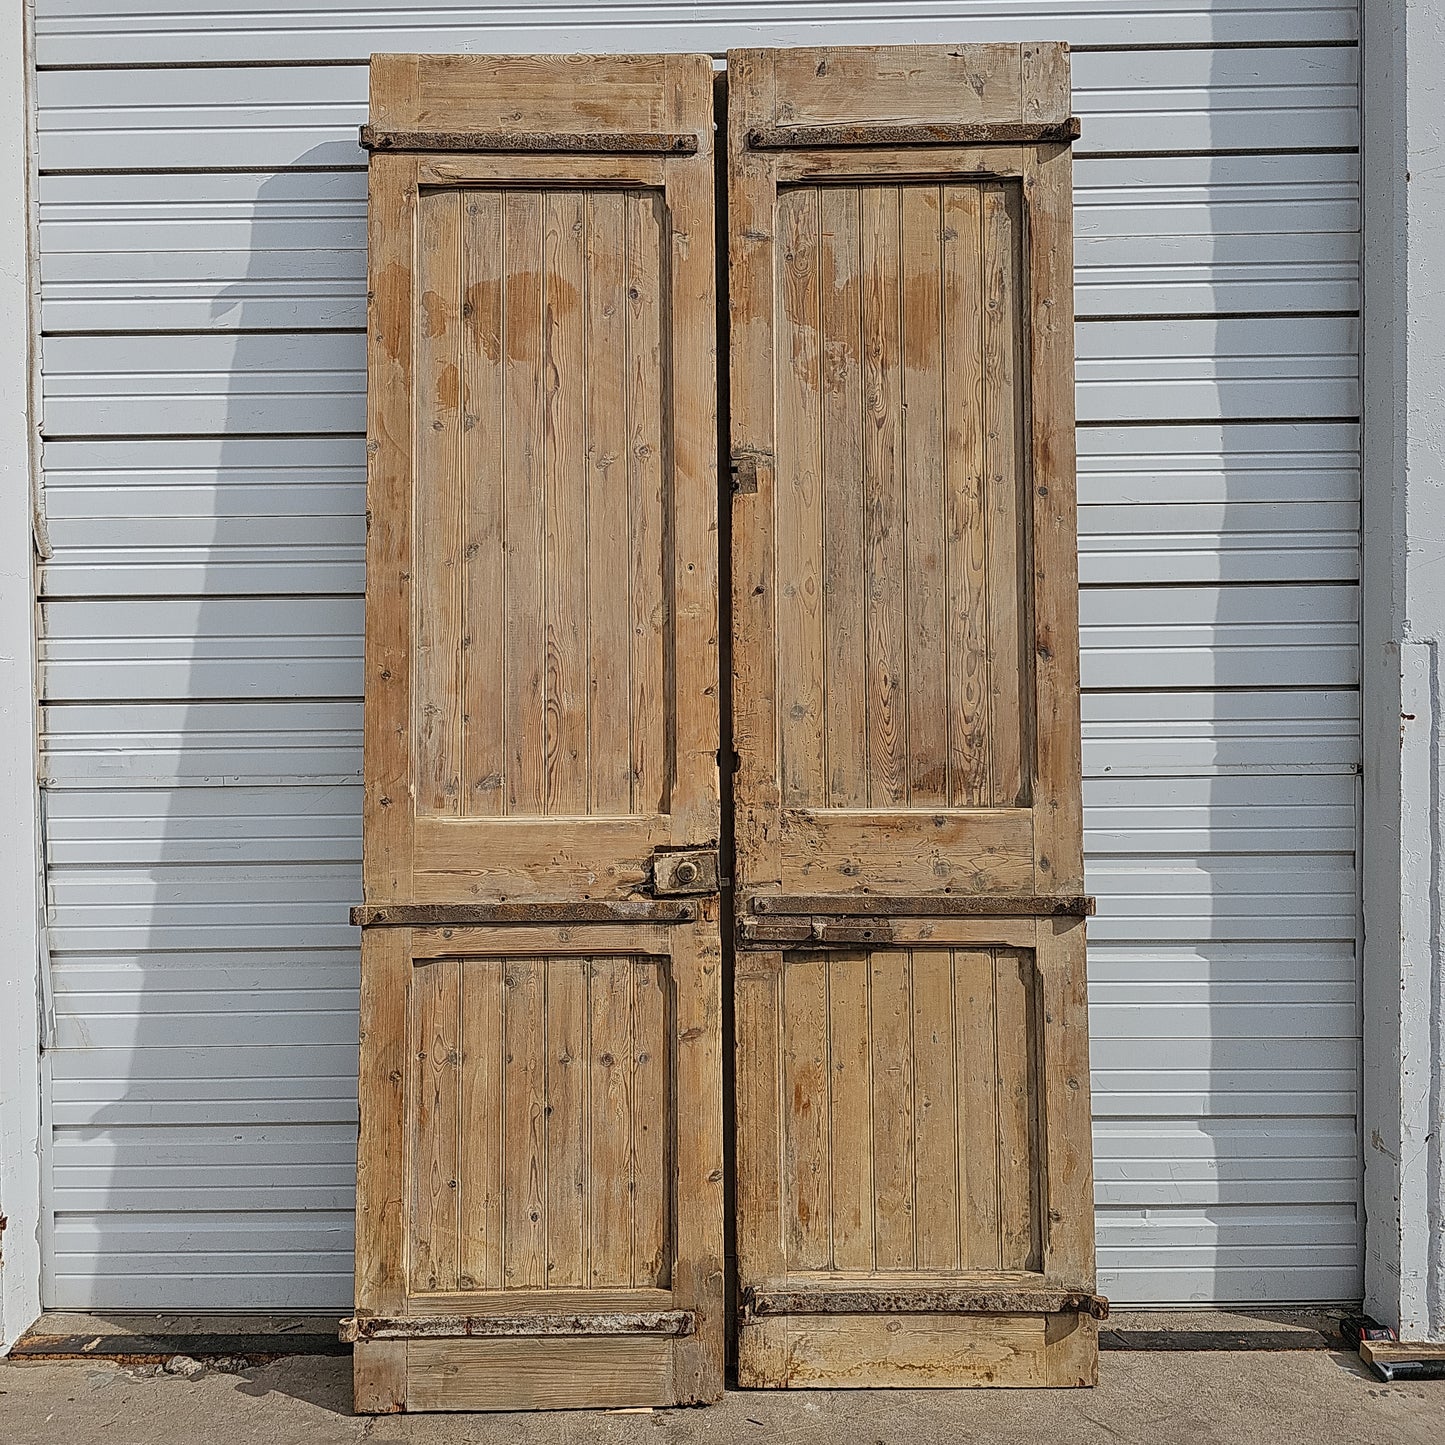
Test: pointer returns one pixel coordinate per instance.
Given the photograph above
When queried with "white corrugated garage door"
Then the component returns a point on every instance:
(202, 250)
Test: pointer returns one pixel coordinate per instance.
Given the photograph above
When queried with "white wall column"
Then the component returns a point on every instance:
(19, 852)
(1404, 490)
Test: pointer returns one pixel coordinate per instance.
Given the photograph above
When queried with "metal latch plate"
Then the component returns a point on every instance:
(692, 870)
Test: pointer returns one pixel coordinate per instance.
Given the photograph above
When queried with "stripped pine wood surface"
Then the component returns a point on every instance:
(912, 1093)
(543, 537)
(542, 1163)
(910, 1138)
(899, 519)
(541, 1095)
(540, 436)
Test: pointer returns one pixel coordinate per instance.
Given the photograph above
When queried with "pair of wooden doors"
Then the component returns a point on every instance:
(551, 918)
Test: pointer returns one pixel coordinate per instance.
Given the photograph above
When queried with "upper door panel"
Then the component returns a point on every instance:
(541, 633)
(905, 644)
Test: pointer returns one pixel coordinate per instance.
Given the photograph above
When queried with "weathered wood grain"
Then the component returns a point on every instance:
(561, 650)
(850, 1102)
(379, 1371)
(434, 1029)
(440, 510)
(905, 699)
(483, 743)
(481, 1149)
(920, 1351)
(542, 1149)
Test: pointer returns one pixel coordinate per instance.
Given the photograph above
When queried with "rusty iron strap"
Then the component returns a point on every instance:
(505, 142)
(938, 905)
(760, 1303)
(592, 910)
(830, 137)
(361, 1328)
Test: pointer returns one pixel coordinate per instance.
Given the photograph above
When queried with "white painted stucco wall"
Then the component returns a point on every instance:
(1404, 491)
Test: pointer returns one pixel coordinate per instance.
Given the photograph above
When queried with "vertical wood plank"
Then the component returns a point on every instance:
(806, 1095)
(883, 496)
(923, 576)
(483, 443)
(524, 1124)
(1003, 488)
(385, 1072)
(851, 1100)
(650, 586)
(691, 381)
(761, 1119)
(382, 1169)
(1044, 80)
(604, 375)
(1017, 1098)
(845, 696)
(976, 1031)
(1066, 1208)
(935, 1111)
(695, 1268)
(651, 1116)
(564, 485)
(890, 989)
(610, 1112)
(566, 1114)
(390, 463)
(436, 1097)
(524, 639)
(1058, 807)
(479, 1166)
(436, 643)
(967, 559)
(752, 197)
(799, 494)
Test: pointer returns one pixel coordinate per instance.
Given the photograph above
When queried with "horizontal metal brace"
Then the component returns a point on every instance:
(758, 1304)
(425, 915)
(610, 143)
(361, 1328)
(827, 137)
(771, 933)
(938, 905)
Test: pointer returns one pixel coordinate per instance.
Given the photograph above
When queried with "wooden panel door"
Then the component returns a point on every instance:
(914, 1190)
(540, 1168)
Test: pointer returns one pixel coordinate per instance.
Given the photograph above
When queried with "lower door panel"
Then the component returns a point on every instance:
(539, 1204)
(912, 1202)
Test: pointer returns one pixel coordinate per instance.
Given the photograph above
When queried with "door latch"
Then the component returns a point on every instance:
(692, 870)
(747, 466)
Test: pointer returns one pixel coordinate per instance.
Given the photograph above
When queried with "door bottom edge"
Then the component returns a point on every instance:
(936, 1351)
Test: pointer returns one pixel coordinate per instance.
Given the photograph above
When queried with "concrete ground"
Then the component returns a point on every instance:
(1313, 1397)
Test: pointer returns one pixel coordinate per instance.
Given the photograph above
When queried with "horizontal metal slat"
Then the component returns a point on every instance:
(1129, 101)
(151, 32)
